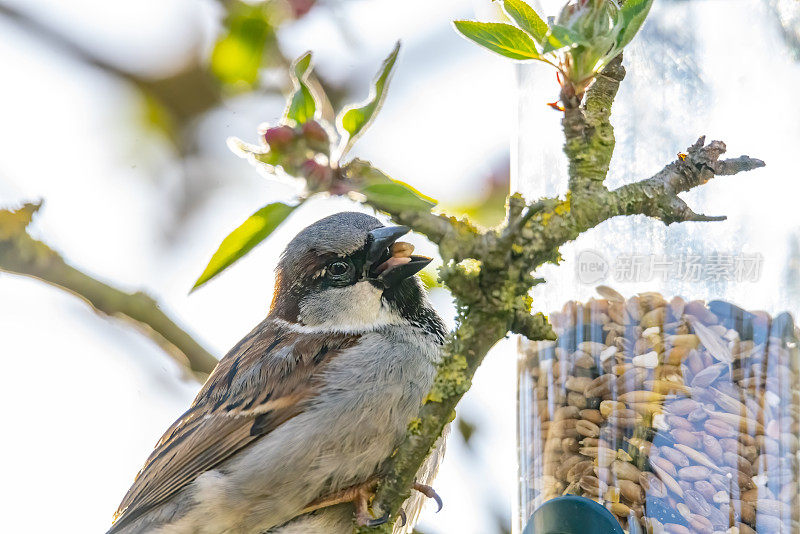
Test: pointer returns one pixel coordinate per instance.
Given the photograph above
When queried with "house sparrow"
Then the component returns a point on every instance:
(288, 434)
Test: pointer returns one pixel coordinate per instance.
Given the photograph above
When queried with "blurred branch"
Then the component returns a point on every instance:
(184, 94)
(23, 255)
(176, 100)
(58, 40)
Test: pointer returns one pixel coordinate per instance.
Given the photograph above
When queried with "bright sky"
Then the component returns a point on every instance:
(86, 398)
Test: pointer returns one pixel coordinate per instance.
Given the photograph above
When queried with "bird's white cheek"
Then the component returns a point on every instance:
(352, 308)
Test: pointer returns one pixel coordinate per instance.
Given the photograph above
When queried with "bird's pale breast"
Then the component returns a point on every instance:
(367, 397)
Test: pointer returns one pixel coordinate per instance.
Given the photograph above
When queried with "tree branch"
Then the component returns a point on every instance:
(23, 255)
(588, 134)
(658, 196)
(490, 273)
(655, 197)
(461, 357)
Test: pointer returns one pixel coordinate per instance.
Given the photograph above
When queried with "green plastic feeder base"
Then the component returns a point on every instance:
(572, 514)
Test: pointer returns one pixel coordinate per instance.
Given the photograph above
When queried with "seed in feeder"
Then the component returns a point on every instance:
(692, 405)
(648, 361)
(660, 422)
(607, 353)
(652, 331)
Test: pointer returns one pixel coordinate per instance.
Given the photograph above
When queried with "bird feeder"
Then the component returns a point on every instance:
(669, 402)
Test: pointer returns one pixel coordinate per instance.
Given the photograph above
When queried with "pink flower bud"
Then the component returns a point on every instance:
(318, 175)
(316, 136)
(279, 137)
(301, 7)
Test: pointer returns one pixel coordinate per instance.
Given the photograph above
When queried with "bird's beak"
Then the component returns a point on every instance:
(389, 261)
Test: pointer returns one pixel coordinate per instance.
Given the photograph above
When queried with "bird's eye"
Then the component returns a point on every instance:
(338, 268)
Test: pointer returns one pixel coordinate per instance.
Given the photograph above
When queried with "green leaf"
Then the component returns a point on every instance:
(395, 195)
(505, 39)
(302, 104)
(633, 14)
(353, 121)
(242, 240)
(255, 154)
(560, 37)
(527, 19)
(238, 54)
(244, 150)
(384, 193)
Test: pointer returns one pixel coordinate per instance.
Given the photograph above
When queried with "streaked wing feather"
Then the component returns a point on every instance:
(261, 383)
(217, 439)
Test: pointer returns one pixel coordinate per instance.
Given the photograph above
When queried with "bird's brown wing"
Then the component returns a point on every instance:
(265, 380)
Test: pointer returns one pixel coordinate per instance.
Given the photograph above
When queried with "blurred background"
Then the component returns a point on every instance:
(116, 114)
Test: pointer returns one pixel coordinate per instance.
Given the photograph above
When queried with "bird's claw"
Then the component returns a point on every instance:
(359, 495)
(403, 518)
(430, 493)
(370, 522)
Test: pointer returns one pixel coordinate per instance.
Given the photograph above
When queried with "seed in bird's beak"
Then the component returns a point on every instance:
(392, 262)
(401, 249)
(401, 254)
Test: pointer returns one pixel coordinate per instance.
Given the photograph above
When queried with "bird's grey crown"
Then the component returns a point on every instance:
(341, 233)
